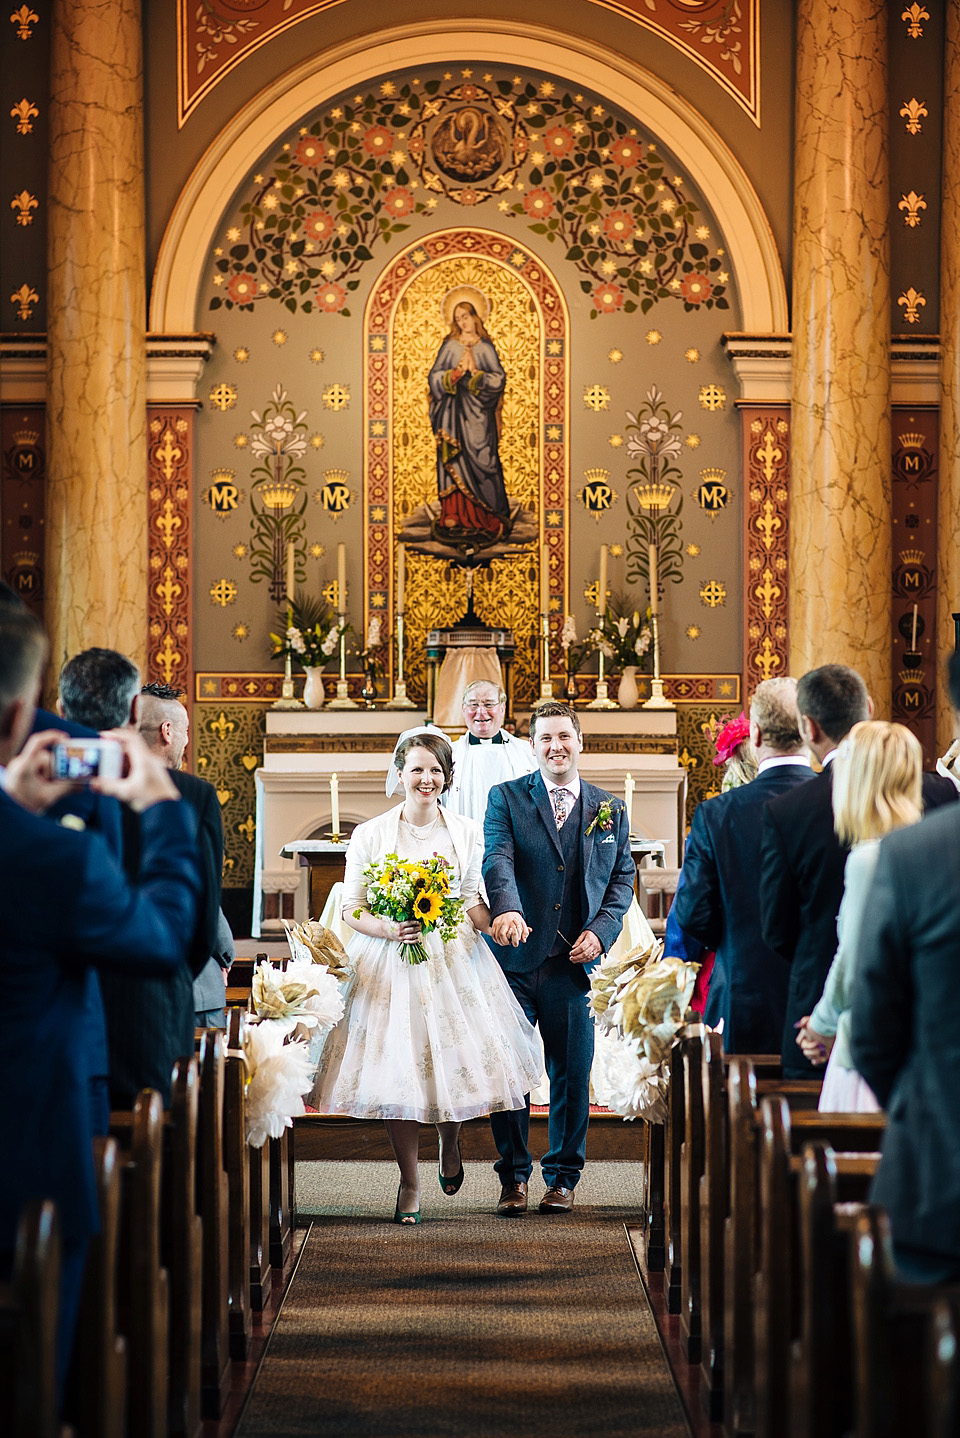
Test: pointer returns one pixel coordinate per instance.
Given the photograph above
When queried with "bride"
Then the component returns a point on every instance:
(437, 1042)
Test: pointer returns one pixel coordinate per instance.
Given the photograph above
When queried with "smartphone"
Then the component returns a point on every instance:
(81, 760)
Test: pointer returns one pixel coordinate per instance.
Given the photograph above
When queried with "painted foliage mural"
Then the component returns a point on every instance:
(527, 233)
(548, 159)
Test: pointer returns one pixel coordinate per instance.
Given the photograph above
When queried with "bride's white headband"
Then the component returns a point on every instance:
(392, 783)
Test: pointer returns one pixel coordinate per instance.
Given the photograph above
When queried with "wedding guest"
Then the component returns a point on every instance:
(486, 754)
(905, 1034)
(165, 727)
(66, 906)
(876, 789)
(802, 859)
(719, 903)
(440, 1041)
(734, 752)
(560, 876)
(149, 1021)
(100, 688)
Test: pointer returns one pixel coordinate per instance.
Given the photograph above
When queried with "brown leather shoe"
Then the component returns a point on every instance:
(513, 1200)
(557, 1200)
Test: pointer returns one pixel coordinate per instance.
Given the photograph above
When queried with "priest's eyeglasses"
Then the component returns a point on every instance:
(472, 706)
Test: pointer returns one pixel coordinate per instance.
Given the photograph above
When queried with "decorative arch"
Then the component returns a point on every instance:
(540, 468)
(696, 145)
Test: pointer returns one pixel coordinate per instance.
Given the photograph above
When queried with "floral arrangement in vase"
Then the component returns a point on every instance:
(575, 652)
(311, 632)
(624, 636)
(372, 658)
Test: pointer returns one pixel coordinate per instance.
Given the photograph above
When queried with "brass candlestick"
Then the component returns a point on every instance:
(400, 700)
(343, 700)
(657, 698)
(603, 700)
(288, 699)
(546, 684)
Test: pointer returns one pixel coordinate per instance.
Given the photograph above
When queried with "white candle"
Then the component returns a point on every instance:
(335, 806)
(913, 636)
(291, 566)
(401, 576)
(602, 586)
(652, 569)
(341, 578)
(628, 788)
(544, 579)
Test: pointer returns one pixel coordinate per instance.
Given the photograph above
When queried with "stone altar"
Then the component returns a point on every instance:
(303, 748)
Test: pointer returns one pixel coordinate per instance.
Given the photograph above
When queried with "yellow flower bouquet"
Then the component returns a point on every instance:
(414, 891)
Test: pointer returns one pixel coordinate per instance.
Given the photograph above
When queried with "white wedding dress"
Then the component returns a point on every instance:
(442, 1041)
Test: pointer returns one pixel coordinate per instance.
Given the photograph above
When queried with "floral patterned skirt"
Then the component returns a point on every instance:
(435, 1042)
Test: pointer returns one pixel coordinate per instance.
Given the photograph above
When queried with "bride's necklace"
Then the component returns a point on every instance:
(421, 831)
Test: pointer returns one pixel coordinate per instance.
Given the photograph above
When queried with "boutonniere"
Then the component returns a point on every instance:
(603, 818)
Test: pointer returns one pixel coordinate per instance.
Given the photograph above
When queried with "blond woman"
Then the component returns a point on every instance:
(876, 788)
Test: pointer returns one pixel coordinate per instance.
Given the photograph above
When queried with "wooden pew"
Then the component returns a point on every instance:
(715, 1198)
(673, 1150)
(652, 1212)
(96, 1391)
(29, 1310)
(182, 1247)
(776, 1290)
(907, 1378)
(741, 1226)
(143, 1288)
(261, 1274)
(821, 1360)
(212, 1205)
(238, 1179)
(692, 1160)
(283, 1213)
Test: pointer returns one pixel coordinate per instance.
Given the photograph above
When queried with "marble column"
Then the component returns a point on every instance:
(840, 543)
(96, 547)
(948, 518)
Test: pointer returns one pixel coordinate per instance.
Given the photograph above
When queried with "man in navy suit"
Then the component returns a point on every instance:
(559, 876)
(905, 1035)
(65, 904)
(719, 902)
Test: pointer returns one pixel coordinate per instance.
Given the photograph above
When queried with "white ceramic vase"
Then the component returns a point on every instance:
(628, 694)
(313, 695)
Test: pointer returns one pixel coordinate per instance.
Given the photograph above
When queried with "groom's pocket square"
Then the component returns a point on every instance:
(608, 840)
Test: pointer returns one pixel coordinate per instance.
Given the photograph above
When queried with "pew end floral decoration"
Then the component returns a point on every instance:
(314, 943)
(640, 1005)
(304, 996)
(294, 1008)
(279, 1074)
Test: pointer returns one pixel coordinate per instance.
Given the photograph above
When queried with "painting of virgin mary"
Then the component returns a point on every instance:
(467, 383)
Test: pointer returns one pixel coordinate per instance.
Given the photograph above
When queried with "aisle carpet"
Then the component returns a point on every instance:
(468, 1326)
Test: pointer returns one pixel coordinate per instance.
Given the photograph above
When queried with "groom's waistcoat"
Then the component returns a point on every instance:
(570, 917)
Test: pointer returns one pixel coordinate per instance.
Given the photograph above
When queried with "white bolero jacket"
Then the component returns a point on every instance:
(378, 837)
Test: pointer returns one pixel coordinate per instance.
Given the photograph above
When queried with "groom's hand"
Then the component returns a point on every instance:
(510, 928)
(587, 948)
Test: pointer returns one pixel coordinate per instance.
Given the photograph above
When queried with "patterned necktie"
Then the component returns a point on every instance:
(560, 797)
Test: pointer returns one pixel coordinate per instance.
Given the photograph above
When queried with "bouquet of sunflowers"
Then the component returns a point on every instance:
(414, 891)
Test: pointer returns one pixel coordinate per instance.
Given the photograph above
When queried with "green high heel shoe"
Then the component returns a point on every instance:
(452, 1184)
(408, 1220)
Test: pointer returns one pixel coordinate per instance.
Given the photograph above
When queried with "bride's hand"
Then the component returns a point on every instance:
(407, 932)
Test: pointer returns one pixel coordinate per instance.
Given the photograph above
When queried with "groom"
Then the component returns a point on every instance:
(557, 895)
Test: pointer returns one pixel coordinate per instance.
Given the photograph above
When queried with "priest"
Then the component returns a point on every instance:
(486, 755)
